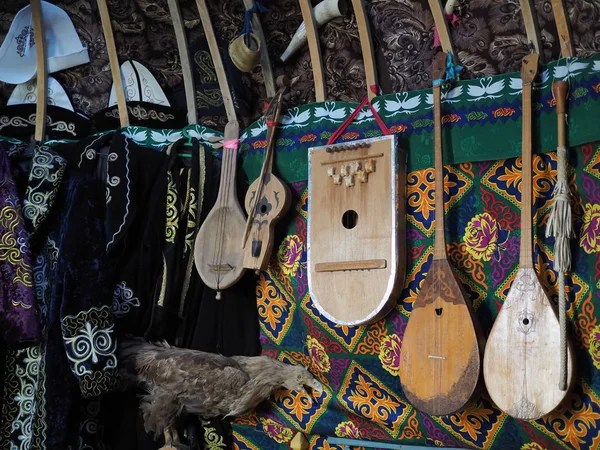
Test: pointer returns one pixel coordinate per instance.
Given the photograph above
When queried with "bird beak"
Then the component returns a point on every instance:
(308, 396)
(315, 387)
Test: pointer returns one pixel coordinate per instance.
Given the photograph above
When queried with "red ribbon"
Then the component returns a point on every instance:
(334, 137)
(231, 144)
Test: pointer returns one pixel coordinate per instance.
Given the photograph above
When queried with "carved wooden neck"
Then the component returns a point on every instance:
(526, 253)
(227, 180)
(440, 238)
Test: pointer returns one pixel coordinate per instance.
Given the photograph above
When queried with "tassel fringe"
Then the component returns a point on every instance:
(560, 222)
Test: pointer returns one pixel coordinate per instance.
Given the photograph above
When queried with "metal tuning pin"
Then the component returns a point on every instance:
(331, 171)
(349, 180)
(370, 166)
(218, 296)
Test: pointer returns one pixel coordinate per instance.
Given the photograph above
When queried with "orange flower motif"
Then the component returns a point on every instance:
(308, 138)
(398, 129)
(590, 231)
(275, 431)
(350, 135)
(260, 144)
(318, 355)
(450, 118)
(347, 429)
(290, 254)
(373, 403)
(503, 112)
(596, 87)
(389, 354)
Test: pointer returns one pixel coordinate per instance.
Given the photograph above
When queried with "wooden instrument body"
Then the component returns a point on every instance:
(522, 362)
(267, 198)
(440, 362)
(274, 202)
(353, 273)
(218, 254)
(440, 359)
(522, 358)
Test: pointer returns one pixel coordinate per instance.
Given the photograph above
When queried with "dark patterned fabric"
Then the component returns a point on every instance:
(490, 39)
(45, 384)
(18, 308)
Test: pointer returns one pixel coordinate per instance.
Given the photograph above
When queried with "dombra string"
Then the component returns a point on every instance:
(227, 169)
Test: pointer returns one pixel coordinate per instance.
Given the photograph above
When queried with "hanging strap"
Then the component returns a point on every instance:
(114, 62)
(248, 14)
(265, 62)
(184, 56)
(451, 73)
(386, 131)
(441, 26)
(42, 75)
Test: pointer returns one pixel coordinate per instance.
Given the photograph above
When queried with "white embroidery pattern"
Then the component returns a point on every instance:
(111, 181)
(127, 200)
(89, 345)
(123, 300)
(25, 406)
(90, 426)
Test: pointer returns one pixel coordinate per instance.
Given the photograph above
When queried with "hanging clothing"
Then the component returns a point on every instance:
(184, 200)
(47, 385)
(135, 186)
(19, 319)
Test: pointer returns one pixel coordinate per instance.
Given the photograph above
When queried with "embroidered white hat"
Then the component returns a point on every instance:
(63, 46)
(139, 85)
(26, 93)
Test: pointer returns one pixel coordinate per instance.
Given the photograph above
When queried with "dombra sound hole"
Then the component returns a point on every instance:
(349, 219)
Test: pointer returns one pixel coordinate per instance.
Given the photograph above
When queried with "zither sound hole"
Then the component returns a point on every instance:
(349, 219)
(525, 321)
(263, 209)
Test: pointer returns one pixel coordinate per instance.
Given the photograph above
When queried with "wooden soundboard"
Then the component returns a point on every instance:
(356, 198)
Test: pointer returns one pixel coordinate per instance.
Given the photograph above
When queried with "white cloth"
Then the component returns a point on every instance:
(63, 46)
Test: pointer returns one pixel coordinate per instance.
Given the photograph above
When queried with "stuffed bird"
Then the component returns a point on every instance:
(181, 381)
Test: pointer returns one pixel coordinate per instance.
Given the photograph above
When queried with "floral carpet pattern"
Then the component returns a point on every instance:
(359, 366)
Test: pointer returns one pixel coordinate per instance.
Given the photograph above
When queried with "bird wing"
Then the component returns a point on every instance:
(199, 380)
(496, 87)
(412, 103)
(214, 395)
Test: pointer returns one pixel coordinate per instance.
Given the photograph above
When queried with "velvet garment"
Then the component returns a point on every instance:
(46, 386)
(184, 199)
(19, 319)
(135, 184)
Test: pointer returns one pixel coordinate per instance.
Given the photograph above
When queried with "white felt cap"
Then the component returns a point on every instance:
(139, 85)
(63, 46)
(27, 93)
